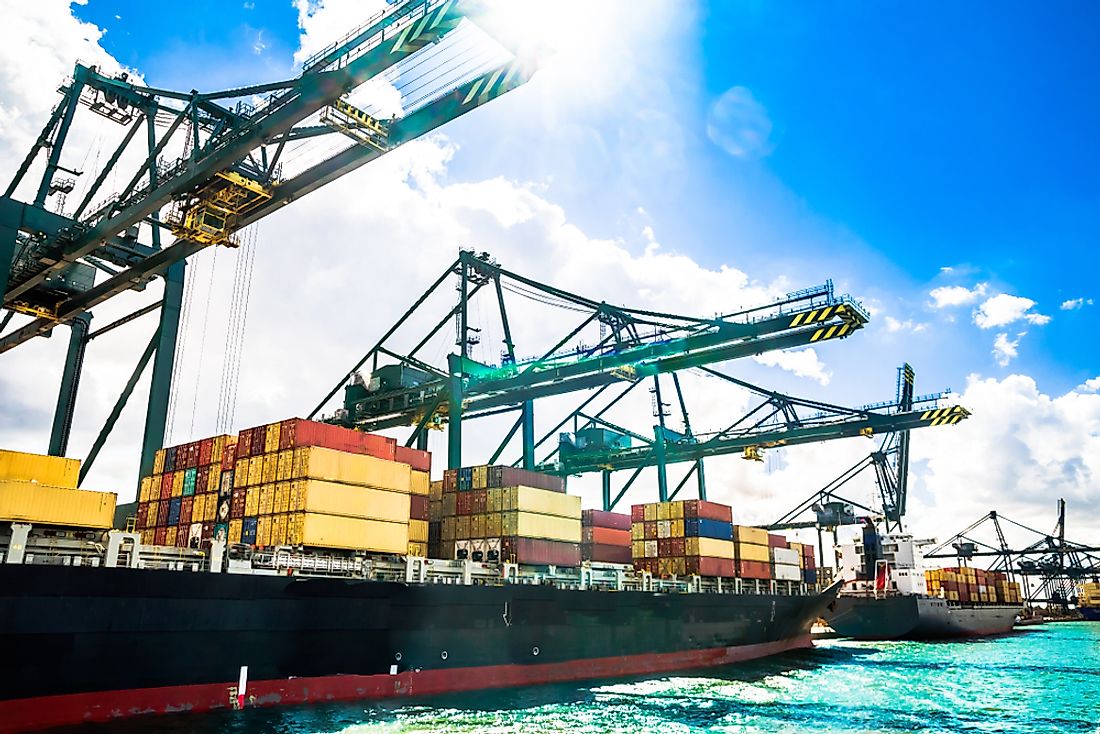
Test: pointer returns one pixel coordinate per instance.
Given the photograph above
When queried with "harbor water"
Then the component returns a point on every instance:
(1043, 679)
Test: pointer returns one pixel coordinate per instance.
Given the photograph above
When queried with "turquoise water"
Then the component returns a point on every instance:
(1043, 679)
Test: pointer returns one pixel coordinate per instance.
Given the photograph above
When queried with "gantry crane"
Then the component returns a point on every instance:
(212, 165)
(634, 345)
(778, 420)
(1052, 567)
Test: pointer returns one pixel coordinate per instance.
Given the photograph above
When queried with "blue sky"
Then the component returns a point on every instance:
(900, 141)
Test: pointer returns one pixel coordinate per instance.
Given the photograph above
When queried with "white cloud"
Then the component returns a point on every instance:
(739, 125)
(1004, 309)
(1075, 303)
(956, 295)
(800, 362)
(1004, 349)
(1090, 385)
(894, 325)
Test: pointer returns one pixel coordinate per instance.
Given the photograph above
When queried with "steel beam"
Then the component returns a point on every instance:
(70, 383)
(160, 389)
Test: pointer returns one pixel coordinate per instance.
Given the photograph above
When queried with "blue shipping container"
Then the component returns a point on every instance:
(704, 528)
(174, 510)
(170, 459)
(809, 576)
(248, 530)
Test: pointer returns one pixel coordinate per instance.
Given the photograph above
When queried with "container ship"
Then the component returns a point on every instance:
(886, 596)
(300, 562)
(1088, 601)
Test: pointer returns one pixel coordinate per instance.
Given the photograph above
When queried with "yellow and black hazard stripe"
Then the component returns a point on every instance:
(833, 332)
(420, 33)
(494, 84)
(817, 315)
(945, 416)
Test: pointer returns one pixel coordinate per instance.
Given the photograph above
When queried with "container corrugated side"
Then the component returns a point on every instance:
(752, 552)
(350, 533)
(314, 462)
(750, 535)
(330, 498)
(541, 501)
(49, 505)
(418, 531)
(710, 547)
(547, 527)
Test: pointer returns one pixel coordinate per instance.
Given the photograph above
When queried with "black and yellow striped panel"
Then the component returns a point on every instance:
(420, 33)
(817, 315)
(835, 331)
(945, 416)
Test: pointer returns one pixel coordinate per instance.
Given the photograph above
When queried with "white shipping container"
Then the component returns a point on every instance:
(664, 528)
(786, 556)
(651, 549)
(784, 572)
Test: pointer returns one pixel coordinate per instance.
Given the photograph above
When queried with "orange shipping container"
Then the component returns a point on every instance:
(606, 536)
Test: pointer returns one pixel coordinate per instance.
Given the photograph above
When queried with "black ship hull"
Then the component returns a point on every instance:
(100, 643)
(912, 617)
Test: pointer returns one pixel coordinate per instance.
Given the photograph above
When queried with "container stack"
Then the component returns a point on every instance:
(294, 482)
(178, 503)
(969, 585)
(491, 513)
(41, 490)
(435, 519)
(605, 537)
(808, 561)
(752, 553)
(683, 538)
(786, 561)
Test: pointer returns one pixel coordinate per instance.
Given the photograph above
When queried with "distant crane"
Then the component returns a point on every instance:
(213, 164)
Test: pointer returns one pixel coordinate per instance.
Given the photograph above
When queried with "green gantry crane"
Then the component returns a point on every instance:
(212, 166)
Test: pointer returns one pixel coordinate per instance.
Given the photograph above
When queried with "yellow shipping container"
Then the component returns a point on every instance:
(170, 535)
(752, 552)
(480, 479)
(663, 511)
(462, 527)
(750, 535)
(435, 490)
(217, 451)
(548, 527)
(676, 528)
(278, 529)
(477, 526)
(43, 504)
(637, 531)
(235, 531)
(177, 484)
(418, 549)
(650, 512)
(352, 533)
(447, 529)
(214, 479)
(676, 510)
(285, 470)
(271, 438)
(271, 468)
(263, 531)
(145, 488)
(267, 499)
(158, 461)
(331, 498)
(256, 471)
(711, 547)
(198, 507)
(795, 547)
(493, 501)
(637, 548)
(419, 482)
(282, 497)
(50, 470)
(493, 525)
(252, 501)
(313, 462)
(541, 501)
(418, 531)
(240, 473)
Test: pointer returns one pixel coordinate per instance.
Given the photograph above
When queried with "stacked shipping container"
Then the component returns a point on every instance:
(294, 482)
(752, 553)
(792, 561)
(490, 513)
(972, 586)
(41, 490)
(605, 537)
(683, 537)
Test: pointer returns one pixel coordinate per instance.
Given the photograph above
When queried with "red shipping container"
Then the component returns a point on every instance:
(605, 553)
(139, 516)
(462, 503)
(605, 536)
(183, 535)
(753, 570)
(207, 530)
(676, 547)
(162, 513)
(539, 552)
(708, 566)
(236, 504)
(159, 536)
(809, 563)
(244, 443)
(166, 486)
(637, 512)
(418, 507)
(450, 480)
(646, 564)
(186, 506)
(286, 433)
(510, 476)
(259, 440)
(776, 541)
(808, 551)
(649, 530)
(417, 459)
(479, 500)
(206, 450)
(602, 519)
(707, 510)
(664, 547)
(202, 479)
(229, 456)
(312, 433)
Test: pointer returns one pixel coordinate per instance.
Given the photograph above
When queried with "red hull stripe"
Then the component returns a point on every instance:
(29, 714)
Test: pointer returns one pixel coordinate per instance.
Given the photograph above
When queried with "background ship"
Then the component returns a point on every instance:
(886, 595)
